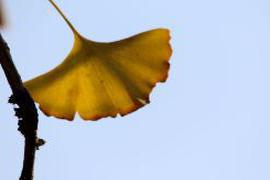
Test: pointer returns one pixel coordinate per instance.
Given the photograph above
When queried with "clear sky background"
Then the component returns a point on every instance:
(209, 121)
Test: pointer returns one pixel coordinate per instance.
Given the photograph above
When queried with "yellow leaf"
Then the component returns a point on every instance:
(2, 19)
(103, 79)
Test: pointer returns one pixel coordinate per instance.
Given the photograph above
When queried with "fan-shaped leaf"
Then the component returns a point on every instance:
(103, 79)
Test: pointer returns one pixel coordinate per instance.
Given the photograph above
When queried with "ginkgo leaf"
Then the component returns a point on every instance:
(98, 80)
(2, 19)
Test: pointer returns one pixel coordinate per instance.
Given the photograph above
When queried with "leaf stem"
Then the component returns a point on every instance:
(65, 18)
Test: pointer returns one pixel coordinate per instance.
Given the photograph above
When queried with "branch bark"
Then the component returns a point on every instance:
(26, 111)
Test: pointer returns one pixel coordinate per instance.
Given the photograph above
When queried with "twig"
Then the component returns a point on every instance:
(27, 112)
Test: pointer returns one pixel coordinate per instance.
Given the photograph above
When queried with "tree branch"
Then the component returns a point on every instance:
(26, 113)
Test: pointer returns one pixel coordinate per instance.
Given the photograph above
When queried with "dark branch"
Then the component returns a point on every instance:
(26, 113)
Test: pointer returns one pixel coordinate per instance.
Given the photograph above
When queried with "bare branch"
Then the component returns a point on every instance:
(26, 113)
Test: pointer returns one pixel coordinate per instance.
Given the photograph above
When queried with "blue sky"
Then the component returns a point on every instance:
(209, 121)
